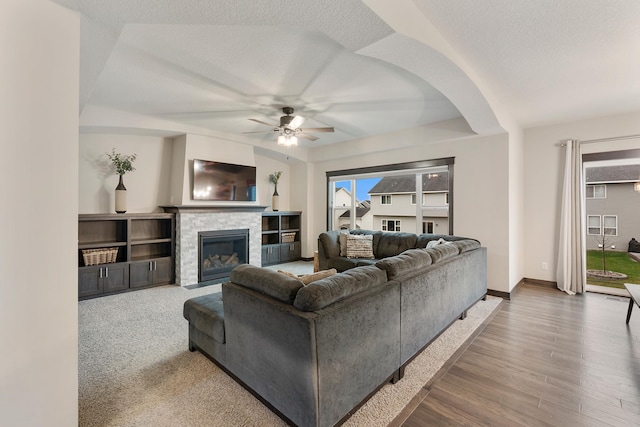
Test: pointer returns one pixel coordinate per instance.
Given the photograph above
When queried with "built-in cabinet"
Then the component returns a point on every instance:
(145, 245)
(280, 237)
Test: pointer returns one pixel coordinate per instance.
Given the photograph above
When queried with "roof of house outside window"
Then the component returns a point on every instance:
(435, 182)
(360, 212)
(611, 174)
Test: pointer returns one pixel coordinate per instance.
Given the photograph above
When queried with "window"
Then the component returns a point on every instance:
(427, 227)
(610, 225)
(366, 196)
(446, 198)
(390, 225)
(593, 225)
(596, 192)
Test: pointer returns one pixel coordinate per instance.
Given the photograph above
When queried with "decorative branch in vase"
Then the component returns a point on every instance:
(122, 163)
(275, 199)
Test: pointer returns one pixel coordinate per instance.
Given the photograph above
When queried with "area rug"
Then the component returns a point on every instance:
(135, 368)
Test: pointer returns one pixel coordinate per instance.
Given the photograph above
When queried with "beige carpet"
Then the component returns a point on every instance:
(135, 369)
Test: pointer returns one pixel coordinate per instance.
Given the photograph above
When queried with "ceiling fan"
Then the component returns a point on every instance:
(289, 130)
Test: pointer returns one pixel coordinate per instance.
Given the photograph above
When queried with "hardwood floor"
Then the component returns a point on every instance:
(544, 359)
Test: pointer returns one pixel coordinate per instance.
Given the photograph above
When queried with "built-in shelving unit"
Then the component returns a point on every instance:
(145, 246)
(281, 237)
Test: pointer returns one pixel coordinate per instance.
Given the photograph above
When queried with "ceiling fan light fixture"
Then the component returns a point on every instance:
(287, 140)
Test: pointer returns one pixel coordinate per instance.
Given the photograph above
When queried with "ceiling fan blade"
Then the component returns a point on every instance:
(263, 123)
(262, 131)
(327, 129)
(307, 137)
(296, 122)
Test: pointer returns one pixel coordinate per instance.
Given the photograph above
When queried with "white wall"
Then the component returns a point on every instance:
(543, 178)
(39, 41)
(163, 170)
(147, 186)
(481, 190)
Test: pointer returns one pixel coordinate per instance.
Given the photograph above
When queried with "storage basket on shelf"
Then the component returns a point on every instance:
(99, 256)
(288, 237)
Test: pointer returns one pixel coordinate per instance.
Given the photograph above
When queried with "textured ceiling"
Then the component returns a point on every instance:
(213, 65)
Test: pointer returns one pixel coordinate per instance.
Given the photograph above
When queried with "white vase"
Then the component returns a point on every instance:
(121, 197)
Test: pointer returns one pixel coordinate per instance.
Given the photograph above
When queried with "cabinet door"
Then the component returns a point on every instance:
(162, 271)
(290, 251)
(89, 281)
(140, 274)
(270, 254)
(115, 277)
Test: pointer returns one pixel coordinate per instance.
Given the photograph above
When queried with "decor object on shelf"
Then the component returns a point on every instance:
(122, 164)
(275, 199)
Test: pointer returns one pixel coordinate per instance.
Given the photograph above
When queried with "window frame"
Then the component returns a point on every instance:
(593, 193)
(416, 167)
(383, 197)
(589, 227)
(384, 225)
(604, 226)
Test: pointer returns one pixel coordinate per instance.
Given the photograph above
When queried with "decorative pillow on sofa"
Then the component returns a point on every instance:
(310, 278)
(360, 246)
(342, 238)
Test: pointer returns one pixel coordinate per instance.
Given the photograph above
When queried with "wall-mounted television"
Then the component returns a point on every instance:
(219, 181)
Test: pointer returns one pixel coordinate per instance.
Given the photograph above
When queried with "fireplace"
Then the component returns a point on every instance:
(220, 251)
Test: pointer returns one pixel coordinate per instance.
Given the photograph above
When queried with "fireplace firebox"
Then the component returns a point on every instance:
(220, 251)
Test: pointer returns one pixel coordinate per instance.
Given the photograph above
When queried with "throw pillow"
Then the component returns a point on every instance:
(310, 278)
(343, 243)
(360, 246)
(435, 243)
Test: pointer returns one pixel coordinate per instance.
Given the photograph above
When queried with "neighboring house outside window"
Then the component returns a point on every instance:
(596, 191)
(594, 227)
(390, 225)
(385, 199)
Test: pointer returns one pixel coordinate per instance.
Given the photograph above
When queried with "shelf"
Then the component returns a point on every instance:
(140, 238)
(98, 245)
(150, 241)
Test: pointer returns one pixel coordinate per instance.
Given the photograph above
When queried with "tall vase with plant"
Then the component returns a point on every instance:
(122, 163)
(275, 199)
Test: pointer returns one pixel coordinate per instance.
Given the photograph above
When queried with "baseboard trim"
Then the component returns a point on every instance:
(538, 282)
(524, 281)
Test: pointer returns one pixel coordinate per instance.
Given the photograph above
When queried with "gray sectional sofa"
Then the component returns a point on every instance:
(314, 353)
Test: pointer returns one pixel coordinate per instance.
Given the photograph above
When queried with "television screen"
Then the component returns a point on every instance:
(223, 181)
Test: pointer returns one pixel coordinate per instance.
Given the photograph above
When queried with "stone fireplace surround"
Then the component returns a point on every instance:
(191, 219)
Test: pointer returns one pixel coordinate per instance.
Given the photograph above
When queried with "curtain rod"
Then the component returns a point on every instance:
(591, 141)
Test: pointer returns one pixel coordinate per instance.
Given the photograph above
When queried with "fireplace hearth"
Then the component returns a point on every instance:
(220, 251)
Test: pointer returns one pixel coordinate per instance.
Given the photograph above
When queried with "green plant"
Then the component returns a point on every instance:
(275, 177)
(121, 162)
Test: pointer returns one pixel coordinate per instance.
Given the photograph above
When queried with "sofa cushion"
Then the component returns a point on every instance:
(408, 261)
(310, 278)
(442, 252)
(392, 244)
(330, 243)
(423, 239)
(266, 281)
(467, 245)
(335, 288)
(360, 246)
(206, 314)
(342, 263)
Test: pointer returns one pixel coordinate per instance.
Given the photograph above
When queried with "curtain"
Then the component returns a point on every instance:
(571, 272)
